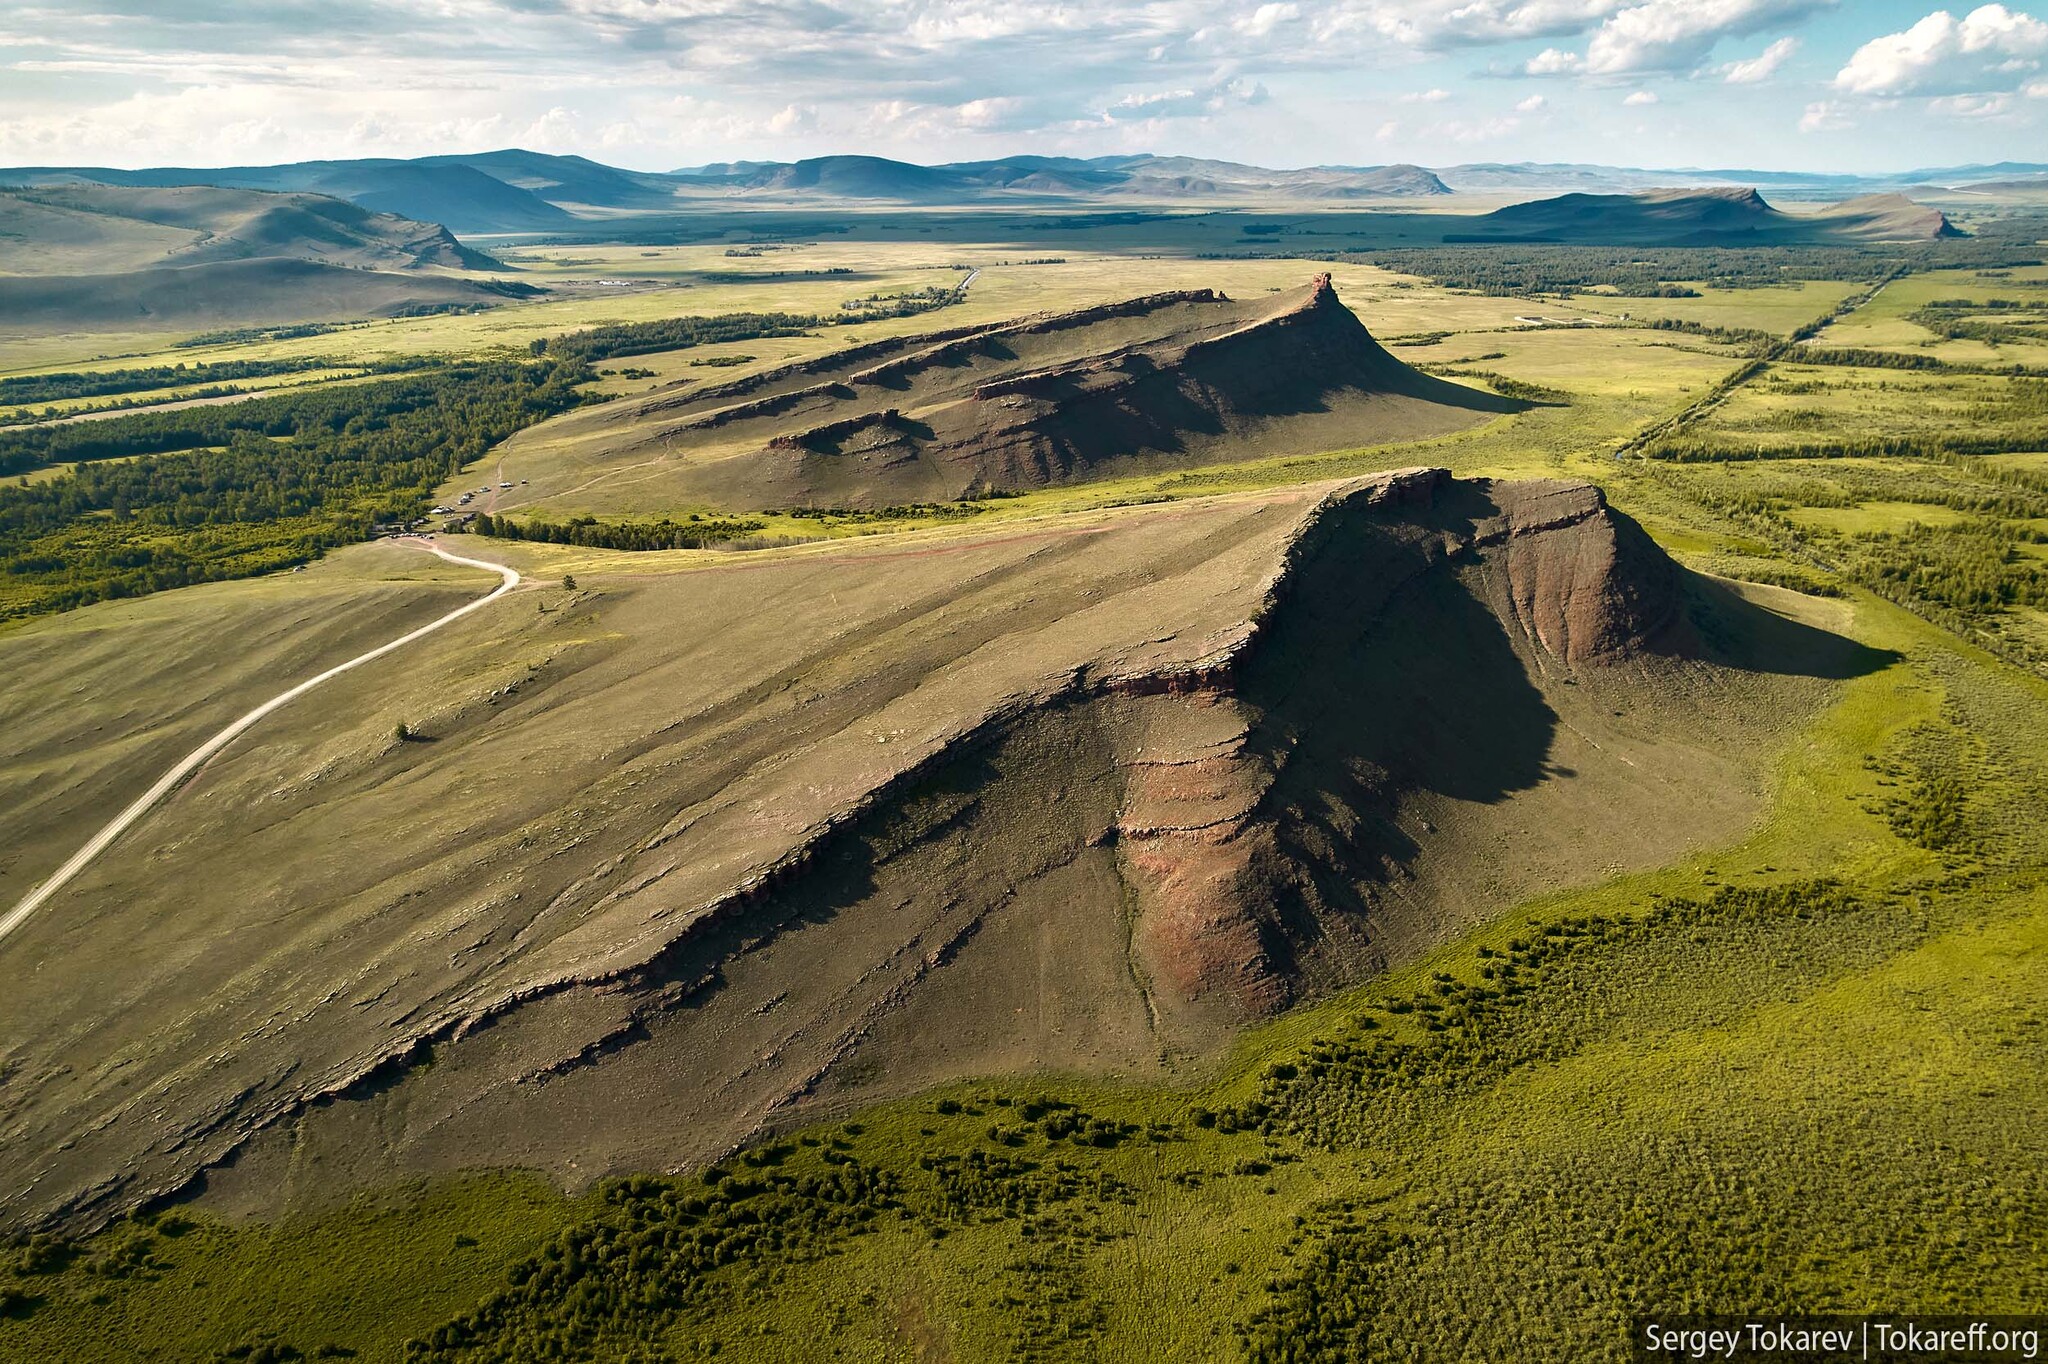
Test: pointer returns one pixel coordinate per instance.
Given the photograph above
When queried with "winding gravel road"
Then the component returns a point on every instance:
(192, 761)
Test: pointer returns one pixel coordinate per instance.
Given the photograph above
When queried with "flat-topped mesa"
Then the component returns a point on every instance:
(835, 361)
(1130, 307)
(1166, 380)
(1584, 581)
(1232, 880)
(815, 848)
(895, 355)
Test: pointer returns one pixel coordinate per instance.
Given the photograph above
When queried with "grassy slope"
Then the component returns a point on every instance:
(1735, 1113)
(289, 625)
(1826, 1111)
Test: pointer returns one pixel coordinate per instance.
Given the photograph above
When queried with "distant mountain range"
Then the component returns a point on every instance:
(1058, 177)
(1556, 177)
(515, 191)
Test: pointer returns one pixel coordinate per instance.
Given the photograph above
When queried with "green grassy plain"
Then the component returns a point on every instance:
(1885, 323)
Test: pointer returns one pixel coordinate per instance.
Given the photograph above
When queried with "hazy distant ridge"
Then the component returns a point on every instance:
(515, 191)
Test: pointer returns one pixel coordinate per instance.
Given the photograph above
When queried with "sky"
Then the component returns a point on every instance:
(1834, 85)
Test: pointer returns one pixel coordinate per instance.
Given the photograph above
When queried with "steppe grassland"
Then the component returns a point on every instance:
(704, 281)
(1779, 310)
(1696, 1085)
(1884, 323)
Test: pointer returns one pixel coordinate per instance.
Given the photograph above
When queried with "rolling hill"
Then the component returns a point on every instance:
(1161, 381)
(443, 190)
(641, 888)
(90, 256)
(1702, 217)
(81, 228)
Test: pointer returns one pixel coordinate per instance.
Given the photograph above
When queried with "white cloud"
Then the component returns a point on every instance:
(558, 129)
(1676, 35)
(1670, 35)
(1639, 98)
(912, 121)
(1471, 130)
(198, 81)
(1990, 49)
(1553, 61)
(1435, 25)
(1825, 116)
(793, 118)
(1970, 106)
(237, 123)
(1762, 66)
(1263, 20)
(1163, 104)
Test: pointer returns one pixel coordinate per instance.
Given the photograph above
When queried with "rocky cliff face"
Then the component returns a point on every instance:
(1084, 799)
(1248, 830)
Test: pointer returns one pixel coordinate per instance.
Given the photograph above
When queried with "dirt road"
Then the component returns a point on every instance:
(197, 758)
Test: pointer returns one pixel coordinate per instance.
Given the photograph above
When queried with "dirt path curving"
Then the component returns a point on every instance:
(198, 757)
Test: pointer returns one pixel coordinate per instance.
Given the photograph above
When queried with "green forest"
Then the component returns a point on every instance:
(161, 500)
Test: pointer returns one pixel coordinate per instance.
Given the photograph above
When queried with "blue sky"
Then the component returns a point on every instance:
(1863, 85)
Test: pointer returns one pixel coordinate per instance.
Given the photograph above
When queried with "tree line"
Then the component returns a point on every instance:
(215, 493)
(312, 413)
(591, 533)
(1514, 270)
(27, 389)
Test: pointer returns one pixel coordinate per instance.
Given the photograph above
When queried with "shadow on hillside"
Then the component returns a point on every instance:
(1383, 676)
(1735, 632)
